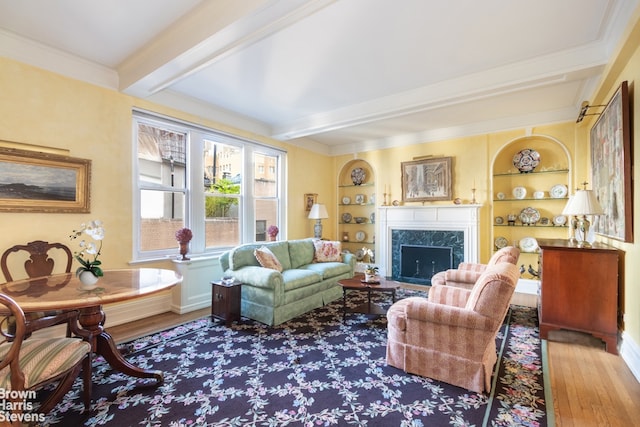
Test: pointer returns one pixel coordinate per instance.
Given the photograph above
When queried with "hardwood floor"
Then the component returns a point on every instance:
(590, 386)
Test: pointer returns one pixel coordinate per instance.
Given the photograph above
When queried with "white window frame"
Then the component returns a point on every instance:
(194, 191)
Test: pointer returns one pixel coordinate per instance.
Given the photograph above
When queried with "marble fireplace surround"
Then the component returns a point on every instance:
(458, 218)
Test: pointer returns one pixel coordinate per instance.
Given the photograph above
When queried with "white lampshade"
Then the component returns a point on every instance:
(318, 211)
(584, 202)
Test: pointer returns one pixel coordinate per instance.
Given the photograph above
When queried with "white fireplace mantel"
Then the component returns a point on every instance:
(465, 218)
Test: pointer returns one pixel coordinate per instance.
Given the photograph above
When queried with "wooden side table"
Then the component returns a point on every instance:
(225, 301)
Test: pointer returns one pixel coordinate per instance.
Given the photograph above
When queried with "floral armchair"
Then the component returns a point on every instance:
(467, 273)
(451, 335)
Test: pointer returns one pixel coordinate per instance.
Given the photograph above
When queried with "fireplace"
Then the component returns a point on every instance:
(451, 232)
(418, 263)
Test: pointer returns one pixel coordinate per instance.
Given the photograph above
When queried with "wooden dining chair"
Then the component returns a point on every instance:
(40, 262)
(31, 364)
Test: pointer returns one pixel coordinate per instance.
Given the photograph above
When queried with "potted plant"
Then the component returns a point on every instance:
(272, 231)
(371, 274)
(89, 270)
(183, 236)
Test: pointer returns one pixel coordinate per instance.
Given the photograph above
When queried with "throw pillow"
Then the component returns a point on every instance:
(267, 259)
(327, 251)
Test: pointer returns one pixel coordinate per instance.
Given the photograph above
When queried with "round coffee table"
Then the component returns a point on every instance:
(357, 284)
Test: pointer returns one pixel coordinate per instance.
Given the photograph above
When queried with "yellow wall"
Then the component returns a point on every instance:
(472, 159)
(42, 108)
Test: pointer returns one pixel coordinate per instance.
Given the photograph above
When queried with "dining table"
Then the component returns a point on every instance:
(63, 292)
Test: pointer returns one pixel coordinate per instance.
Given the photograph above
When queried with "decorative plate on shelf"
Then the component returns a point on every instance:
(519, 192)
(559, 220)
(359, 255)
(360, 236)
(526, 160)
(558, 191)
(529, 216)
(372, 217)
(501, 242)
(500, 196)
(528, 244)
(346, 200)
(357, 176)
(499, 220)
(346, 217)
(359, 199)
(538, 195)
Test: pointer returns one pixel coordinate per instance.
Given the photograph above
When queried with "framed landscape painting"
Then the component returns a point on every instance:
(426, 180)
(32, 181)
(611, 167)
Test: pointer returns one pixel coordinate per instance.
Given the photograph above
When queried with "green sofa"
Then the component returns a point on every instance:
(273, 297)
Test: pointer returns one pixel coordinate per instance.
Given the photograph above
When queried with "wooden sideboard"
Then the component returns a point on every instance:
(579, 290)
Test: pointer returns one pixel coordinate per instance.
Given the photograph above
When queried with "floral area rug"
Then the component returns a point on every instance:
(315, 370)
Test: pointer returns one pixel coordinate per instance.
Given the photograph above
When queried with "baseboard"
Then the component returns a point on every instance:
(630, 353)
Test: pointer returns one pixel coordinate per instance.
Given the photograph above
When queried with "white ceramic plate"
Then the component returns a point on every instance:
(499, 220)
(519, 192)
(558, 191)
(360, 236)
(500, 196)
(538, 195)
(526, 160)
(359, 199)
(528, 244)
(346, 200)
(529, 216)
(501, 242)
(559, 220)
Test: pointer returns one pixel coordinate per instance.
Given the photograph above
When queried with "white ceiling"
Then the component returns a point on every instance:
(336, 75)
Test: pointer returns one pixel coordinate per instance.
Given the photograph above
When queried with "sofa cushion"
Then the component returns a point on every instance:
(328, 251)
(281, 251)
(244, 255)
(329, 269)
(301, 252)
(296, 278)
(267, 259)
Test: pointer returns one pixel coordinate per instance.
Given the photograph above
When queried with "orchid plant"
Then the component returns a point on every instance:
(89, 251)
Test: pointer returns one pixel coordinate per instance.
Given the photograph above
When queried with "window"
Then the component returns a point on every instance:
(227, 190)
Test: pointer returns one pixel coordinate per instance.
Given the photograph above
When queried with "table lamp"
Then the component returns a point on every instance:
(318, 212)
(581, 204)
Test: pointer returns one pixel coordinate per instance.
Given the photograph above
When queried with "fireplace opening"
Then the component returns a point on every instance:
(419, 263)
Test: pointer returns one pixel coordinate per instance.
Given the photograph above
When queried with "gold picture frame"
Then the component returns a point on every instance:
(310, 199)
(33, 181)
(426, 180)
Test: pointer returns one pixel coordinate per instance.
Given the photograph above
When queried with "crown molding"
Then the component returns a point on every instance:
(57, 61)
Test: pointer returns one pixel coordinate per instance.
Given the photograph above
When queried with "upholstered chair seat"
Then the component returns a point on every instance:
(467, 273)
(451, 335)
(31, 364)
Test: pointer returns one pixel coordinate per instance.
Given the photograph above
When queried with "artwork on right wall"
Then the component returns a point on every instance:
(611, 167)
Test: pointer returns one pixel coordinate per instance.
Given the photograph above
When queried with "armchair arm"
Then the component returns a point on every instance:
(423, 310)
(449, 295)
